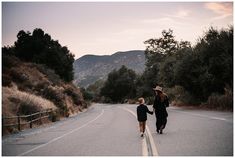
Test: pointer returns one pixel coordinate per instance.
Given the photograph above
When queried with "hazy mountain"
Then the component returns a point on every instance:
(90, 68)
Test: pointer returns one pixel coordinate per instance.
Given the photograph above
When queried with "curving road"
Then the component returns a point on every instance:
(112, 130)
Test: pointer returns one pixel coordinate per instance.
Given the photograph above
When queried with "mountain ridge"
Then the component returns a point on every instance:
(90, 68)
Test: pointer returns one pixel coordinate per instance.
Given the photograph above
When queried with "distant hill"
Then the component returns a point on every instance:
(90, 68)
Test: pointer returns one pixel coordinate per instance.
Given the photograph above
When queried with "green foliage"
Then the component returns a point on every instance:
(95, 87)
(202, 70)
(120, 85)
(86, 94)
(164, 45)
(179, 96)
(209, 67)
(188, 73)
(94, 90)
(144, 84)
(55, 116)
(223, 102)
(75, 96)
(40, 48)
(161, 56)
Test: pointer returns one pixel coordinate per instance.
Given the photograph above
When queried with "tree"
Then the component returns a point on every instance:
(161, 55)
(94, 89)
(40, 48)
(208, 67)
(120, 85)
(215, 51)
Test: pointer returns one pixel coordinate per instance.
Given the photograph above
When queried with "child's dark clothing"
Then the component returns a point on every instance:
(142, 111)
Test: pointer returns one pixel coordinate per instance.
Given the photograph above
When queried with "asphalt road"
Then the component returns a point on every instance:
(112, 130)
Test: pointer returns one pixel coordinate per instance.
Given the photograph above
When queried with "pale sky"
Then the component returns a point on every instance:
(103, 28)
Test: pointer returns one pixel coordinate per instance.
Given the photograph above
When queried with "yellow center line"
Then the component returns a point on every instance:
(144, 142)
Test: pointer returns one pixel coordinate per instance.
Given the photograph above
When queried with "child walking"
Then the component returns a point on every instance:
(142, 111)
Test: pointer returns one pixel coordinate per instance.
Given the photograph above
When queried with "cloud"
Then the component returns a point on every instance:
(164, 21)
(182, 14)
(223, 10)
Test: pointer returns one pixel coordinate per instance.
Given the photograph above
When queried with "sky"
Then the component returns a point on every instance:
(103, 28)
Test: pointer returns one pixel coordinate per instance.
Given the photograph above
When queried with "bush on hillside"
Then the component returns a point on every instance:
(40, 48)
(50, 74)
(27, 102)
(55, 116)
(75, 96)
(223, 102)
(6, 80)
(9, 61)
(55, 95)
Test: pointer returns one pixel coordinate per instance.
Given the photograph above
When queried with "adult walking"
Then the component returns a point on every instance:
(159, 106)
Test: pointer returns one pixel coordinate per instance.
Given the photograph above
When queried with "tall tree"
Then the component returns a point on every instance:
(161, 56)
(40, 48)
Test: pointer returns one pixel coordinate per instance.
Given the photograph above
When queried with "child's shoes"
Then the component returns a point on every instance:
(141, 134)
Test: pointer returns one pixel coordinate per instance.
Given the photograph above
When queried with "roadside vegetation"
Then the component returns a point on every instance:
(36, 75)
(199, 75)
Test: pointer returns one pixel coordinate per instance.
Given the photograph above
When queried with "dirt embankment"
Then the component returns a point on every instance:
(29, 88)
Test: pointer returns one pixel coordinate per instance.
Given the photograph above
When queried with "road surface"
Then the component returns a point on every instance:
(112, 130)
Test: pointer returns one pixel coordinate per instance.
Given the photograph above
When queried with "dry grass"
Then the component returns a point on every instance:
(28, 88)
(23, 98)
(221, 102)
(15, 101)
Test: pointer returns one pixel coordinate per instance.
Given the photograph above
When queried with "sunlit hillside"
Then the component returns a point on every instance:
(29, 88)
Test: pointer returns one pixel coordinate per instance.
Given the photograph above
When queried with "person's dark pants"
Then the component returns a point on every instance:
(161, 123)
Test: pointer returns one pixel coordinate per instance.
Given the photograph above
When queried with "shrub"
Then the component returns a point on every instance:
(30, 101)
(55, 116)
(221, 102)
(86, 94)
(54, 94)
(178, 95)
(9, 61)
(75, 95)
(6, 80)
(51, 75)
(64, 111)
(17, 76)
(26, 107)
(149, 100)
(131, 101)
(41, 86)
(106, 100)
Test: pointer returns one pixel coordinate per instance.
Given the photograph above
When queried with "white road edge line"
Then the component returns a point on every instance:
(55, 139)
(199, 115)
(144, 144)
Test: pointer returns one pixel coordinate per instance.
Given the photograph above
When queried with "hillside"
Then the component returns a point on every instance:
(90, 68)
(29, 88)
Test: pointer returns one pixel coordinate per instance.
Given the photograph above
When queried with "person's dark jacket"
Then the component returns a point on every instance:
(160, 106)
(142, 111)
